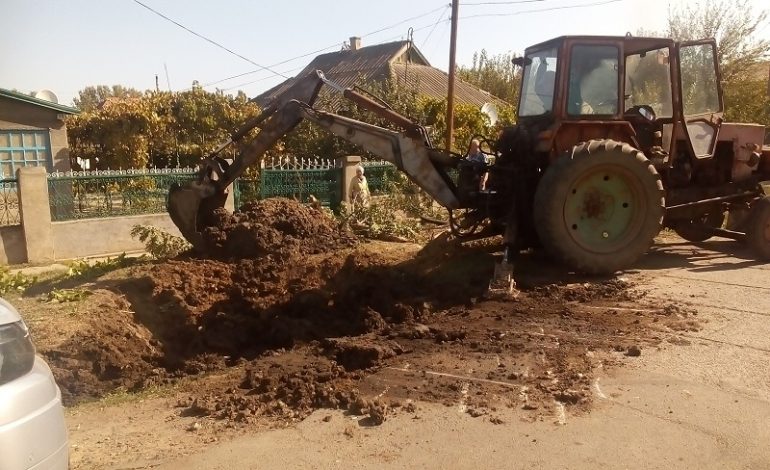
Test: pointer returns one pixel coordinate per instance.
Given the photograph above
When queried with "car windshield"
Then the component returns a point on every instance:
(539, 80)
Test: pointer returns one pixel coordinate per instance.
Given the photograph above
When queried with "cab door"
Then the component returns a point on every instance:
(701, 96)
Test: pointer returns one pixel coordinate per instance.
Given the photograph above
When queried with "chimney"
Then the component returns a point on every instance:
(355, 43)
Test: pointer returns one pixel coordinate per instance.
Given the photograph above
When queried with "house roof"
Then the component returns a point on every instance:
(432, 82)
(379, 62)
(347, 67)
(14, 95)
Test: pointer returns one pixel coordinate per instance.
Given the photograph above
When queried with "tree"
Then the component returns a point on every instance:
(158, 129)
(734, 25)
(495, 74)
(91, 97)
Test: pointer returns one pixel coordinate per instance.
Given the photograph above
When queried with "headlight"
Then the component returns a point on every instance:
(17, 353)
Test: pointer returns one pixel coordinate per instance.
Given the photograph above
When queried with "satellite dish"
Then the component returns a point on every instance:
(491, 111)
(46, 95)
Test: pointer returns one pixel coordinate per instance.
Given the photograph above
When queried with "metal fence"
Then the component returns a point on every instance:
(378, 173)
(82, 195)
(9, 202)
(296, 178)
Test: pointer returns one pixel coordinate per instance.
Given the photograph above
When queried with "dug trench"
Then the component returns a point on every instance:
(287, 313)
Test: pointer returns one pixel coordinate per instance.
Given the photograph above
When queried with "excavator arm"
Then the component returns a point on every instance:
(409, 150)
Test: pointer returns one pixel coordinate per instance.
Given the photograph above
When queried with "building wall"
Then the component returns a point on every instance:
(100, 237)
(19, 115)
(13, 249)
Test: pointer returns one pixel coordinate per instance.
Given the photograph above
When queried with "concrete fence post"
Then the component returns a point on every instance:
(348, 165)
(35, 212)
(230, 201)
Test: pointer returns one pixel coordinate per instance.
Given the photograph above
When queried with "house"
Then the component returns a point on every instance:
(400, 61)
(32, 133)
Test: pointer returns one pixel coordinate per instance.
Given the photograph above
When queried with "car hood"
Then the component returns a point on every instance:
(8, 314)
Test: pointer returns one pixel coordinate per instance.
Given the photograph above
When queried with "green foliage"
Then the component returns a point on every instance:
(741, 52)
(409, 199)
(16, 282)
(379, 220)
(158, 129)
(308, 139)
(495, 74)
(747, 100)
(733, 23)
(89, 98)
(468, 122)
(159, 243)
(83, 269)
(68, 295)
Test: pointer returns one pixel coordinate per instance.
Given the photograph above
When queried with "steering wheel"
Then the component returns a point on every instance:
(643, 110)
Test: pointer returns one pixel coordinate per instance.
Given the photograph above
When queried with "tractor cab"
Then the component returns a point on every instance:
(661, 96)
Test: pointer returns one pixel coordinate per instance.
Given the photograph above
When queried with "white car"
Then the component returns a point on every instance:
(33, 434)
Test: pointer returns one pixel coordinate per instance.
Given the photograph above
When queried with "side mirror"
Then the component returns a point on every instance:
(521, 61)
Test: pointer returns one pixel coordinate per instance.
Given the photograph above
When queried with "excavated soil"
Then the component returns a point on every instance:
(287, 315)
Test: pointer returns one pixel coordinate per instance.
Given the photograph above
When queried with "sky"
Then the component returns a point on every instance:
(66, 45)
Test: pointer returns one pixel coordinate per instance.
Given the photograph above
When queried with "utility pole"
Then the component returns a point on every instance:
(450, 99)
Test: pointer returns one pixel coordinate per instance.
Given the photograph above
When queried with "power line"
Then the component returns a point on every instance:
(540, 10)
(422, 15)
(211, 41)
(436, 24)
(273, 65)
(404, 21)
(433, 26)
(466, 4)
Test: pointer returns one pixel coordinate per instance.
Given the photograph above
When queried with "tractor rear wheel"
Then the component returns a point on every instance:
(696, 230)
(599, 208)
(758, 229)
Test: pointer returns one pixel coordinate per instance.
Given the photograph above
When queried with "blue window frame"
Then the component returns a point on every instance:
(20, 148)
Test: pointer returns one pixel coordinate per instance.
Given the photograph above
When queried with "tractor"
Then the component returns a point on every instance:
(616, 138)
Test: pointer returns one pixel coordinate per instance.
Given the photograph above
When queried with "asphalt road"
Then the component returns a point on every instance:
(701, 403)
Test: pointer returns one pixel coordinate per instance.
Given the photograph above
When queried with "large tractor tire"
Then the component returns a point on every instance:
(599, 208)
(696, 230)
(758, 229)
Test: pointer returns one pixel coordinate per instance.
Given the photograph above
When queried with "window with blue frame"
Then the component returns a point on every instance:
(20, 148)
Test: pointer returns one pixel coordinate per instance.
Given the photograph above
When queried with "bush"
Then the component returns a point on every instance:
(84, 269)
(159, 243)
(17, 282)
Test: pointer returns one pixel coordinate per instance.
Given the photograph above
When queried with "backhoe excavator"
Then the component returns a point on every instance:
(616, 137)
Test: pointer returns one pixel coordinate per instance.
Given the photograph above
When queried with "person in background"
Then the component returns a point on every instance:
(359, 188)
(476, 156)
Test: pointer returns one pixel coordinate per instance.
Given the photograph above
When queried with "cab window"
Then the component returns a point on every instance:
(593, 80)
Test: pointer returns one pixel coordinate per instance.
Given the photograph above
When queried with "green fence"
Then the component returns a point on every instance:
(296, 178)
(377, 174)
(82, 195)
(9, 202)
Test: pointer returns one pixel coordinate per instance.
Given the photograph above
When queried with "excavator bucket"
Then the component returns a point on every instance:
(190, 211)
(191, 206)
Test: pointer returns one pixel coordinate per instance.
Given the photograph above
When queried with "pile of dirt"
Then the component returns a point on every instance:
(273, 227)
(112, 351)
(294, 316)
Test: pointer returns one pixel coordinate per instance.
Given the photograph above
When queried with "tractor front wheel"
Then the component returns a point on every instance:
(599, 208)
(758, 229)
